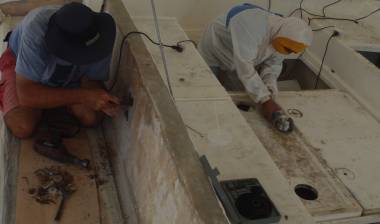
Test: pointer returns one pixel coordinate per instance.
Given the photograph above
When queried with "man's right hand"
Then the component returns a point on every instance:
(101, 100)
(268, 108)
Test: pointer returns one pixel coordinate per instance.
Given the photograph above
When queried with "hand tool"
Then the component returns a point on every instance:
(53, 148)
(64, 194)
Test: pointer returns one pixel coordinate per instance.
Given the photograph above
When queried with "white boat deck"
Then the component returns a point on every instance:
(361, 36)
(218, 130)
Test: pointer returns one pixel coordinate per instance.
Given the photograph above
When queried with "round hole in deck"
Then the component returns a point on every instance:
(243, 107)
(253, 206)
(306, 192)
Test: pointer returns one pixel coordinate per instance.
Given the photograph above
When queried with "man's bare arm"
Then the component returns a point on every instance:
(36, 95)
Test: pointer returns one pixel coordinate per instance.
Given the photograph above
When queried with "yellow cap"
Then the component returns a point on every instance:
(286, 46)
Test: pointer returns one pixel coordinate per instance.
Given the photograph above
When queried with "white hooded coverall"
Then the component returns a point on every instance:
(246, 42)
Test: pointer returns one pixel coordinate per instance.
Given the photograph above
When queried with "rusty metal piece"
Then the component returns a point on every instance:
(57, 178)
(51, 181)
(48, 185)
(53, 190)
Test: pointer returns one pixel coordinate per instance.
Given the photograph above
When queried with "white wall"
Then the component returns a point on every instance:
(194, 15)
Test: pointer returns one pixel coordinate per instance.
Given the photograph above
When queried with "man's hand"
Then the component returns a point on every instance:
(273, 89)
(268, 108)
(100, 100)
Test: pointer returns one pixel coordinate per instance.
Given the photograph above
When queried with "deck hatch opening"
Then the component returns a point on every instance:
(244, 200)
(306, 192)
(253, 206)
(373, 57)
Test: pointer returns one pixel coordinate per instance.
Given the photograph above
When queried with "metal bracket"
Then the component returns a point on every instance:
(127, 103)
(228, 192)
(212, 174)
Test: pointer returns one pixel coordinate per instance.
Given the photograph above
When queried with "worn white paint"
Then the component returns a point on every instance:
(146, 174)
(196, 14)
(216, 127)
(293, 155)
(361, 36)
(345, 136)
(346, 70)
(352, 72)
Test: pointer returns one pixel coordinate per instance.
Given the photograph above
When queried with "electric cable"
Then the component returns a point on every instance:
(370, 14)
(183, 41)
(301, 7)
(326, 6)
(323, 28)
(324, 17)
(303, 10)
(332, 18)
(177, 47)
(335, 33)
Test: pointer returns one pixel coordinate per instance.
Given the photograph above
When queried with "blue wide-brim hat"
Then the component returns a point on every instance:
(80, 36)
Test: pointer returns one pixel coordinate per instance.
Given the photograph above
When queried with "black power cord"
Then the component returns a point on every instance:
(370, 14)
(300, 8)
(177, 47)
(335, 33)
(323, 28)
(269, 5)
(325, 17)
(326, 6)
(333, 18)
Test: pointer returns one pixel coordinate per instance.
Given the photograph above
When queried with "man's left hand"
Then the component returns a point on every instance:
(273, 89)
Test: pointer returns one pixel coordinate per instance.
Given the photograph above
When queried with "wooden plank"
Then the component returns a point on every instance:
(9, 152)
(109, 200)
(345, 137)
(82, 206)
(297, 163)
